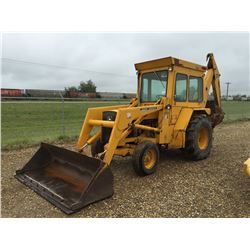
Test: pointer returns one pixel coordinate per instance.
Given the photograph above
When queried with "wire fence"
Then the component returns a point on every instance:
(32, 120)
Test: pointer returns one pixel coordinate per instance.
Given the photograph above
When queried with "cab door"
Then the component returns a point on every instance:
(187, 91)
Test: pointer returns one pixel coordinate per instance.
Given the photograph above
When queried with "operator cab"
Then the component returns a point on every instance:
(186, 78)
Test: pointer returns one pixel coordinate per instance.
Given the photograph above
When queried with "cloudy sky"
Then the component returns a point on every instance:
(54, 61)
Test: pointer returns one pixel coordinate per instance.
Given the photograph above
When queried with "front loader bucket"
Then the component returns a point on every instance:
(67, 179)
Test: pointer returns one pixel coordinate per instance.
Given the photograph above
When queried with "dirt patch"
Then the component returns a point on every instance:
(215, 187)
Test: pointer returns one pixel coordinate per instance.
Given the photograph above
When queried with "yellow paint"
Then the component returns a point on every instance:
(125, 151)
(107, 124)
(178, 139)
(183, 119)
(171, 117)
(168, 61)
(203, 138)
(94, 137)
(149, 158)
(247, 166)
(143, 127)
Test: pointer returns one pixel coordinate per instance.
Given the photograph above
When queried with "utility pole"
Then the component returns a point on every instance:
(227, 83)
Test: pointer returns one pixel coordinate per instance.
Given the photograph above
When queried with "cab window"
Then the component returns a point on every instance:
(181, 88)
(195, 89)
(153, 85)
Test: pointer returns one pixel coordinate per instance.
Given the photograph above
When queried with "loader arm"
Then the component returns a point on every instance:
(93, 114)
(127, 118)
(123, 125)
(94, 118)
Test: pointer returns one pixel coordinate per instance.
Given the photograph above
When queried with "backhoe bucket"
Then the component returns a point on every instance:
(67, 179)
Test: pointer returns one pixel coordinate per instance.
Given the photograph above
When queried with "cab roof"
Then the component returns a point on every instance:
(168, 61)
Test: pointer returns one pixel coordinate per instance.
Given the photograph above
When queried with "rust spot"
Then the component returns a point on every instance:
(67, 174)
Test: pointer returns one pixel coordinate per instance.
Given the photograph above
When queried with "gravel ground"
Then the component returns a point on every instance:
(215, 187)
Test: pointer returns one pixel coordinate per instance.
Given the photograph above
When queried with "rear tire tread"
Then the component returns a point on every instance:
(192, 151)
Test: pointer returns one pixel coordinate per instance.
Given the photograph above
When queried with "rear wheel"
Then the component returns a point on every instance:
(145, 158)
(198, 138)
(97, 147)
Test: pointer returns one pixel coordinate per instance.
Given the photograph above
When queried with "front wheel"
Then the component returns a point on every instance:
(198, 138)
(145, 158)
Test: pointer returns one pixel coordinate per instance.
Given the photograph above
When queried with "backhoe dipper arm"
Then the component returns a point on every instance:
(213, 77)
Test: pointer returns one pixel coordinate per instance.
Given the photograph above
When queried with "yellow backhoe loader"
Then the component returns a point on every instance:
(172, 109)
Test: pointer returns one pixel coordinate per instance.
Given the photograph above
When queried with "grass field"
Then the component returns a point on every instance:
(34, 121)
(235, 110)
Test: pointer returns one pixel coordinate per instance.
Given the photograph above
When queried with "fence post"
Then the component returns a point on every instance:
(63, 124)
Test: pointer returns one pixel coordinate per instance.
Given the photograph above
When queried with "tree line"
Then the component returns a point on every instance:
(85, 87)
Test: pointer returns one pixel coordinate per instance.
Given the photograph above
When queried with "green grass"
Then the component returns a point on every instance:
(235, 111)
(25, 123)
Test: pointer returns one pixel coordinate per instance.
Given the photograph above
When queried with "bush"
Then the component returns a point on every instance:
(85, 87)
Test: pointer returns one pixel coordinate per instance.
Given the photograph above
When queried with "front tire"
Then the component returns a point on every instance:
(198, 138)
(145, 158)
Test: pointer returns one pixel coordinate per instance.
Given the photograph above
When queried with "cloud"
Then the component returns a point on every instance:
(116, 53)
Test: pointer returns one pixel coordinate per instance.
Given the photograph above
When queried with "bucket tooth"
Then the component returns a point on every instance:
(67, 179)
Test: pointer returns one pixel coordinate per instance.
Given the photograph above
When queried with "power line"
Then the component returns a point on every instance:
(62, 67)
